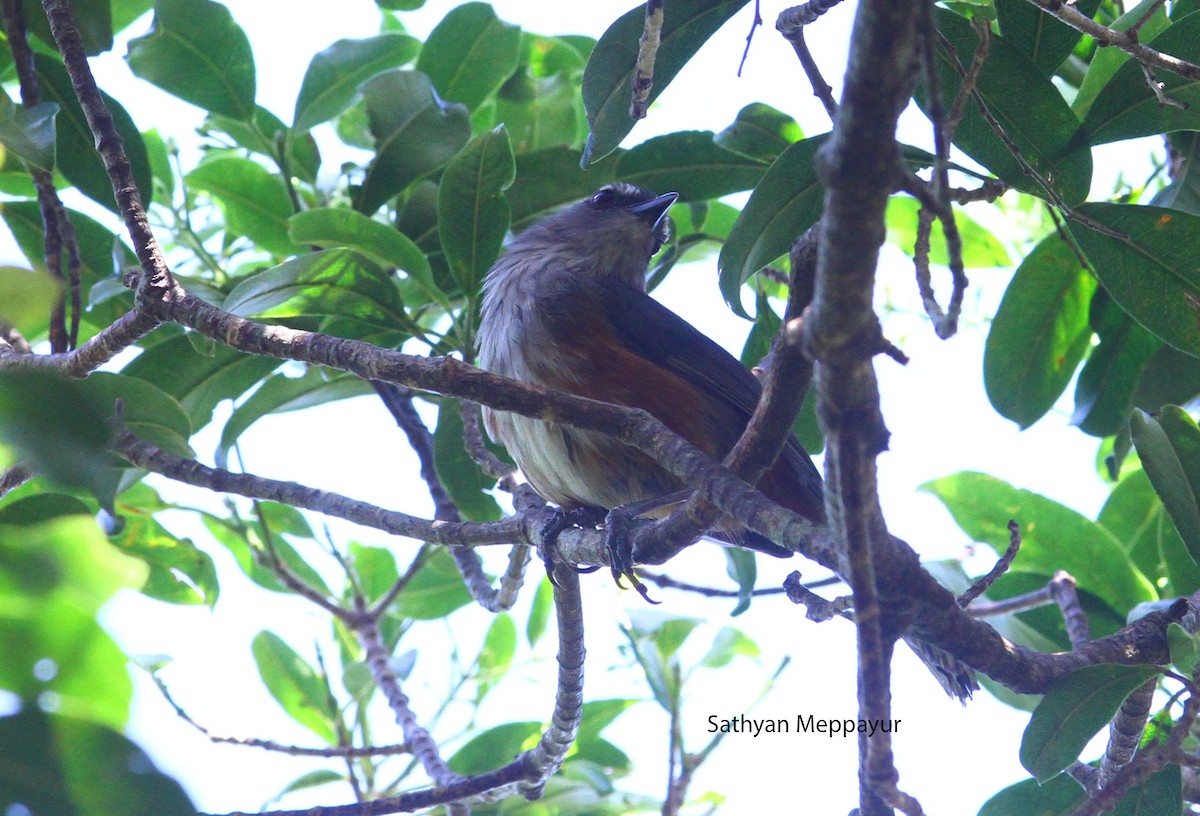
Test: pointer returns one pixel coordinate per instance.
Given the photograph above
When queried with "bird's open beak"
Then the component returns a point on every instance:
(654, 210)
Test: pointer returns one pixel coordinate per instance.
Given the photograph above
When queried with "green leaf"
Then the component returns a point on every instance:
(61, 427)
(691, 164)
(29, 132)
(1169, 448)
(539, 610)
(1054, 537)
(608, 79)
(1159, 795)
(178, 572)
(1058, 797)
(415, 133)
(342, 227)
(787, 201)
(75, 151)
(1151, 19)
(435, 591)
(28, 298)
(337, 282)
(280, 394)
(760, 132)
(1170, 377)
(197, 52)
(1126, 108)
(254, 200)
(1028, 107)
(1045, 40)
(59, 764)
(295, 685)
(1151, 273)
(470, 53)
(494, 747)
(473, 214)
(741, 566)
(199, 381)
(979, 247)
(728, 644)
(539, 104)
(457, 471)
(496, 654)
(1073, 710)
(1104, 390)
(1183, 193)
(1040, 332)
(332, 79)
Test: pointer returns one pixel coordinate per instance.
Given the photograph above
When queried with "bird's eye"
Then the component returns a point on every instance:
(603, 199)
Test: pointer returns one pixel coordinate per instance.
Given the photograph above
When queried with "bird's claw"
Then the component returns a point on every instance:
(563, 520)
(620, 550)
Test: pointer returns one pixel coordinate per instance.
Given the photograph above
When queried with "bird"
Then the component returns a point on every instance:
(566, 307)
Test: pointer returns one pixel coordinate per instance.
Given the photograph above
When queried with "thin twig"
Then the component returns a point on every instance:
(1001, 566)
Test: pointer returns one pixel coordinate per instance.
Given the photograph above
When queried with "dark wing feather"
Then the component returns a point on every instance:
(654, 332)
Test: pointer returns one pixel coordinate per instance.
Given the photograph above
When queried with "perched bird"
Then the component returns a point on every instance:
(566, 307)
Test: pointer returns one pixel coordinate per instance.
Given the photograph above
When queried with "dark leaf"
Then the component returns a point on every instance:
(1169, 448)
(787, 201)
(332, 79)
(1040, 332)
(548, 179)
(1104, 390)
(1073, 710)
(691, 164)
(76, 154)
(415, 133)
(1151, 273)
(29, 132)
(457, 471)
(760, 132)
(473, 213)
(609, 75)
(1045, 40)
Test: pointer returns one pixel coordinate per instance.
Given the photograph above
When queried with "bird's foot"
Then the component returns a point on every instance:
(620, 549)
(564, 520)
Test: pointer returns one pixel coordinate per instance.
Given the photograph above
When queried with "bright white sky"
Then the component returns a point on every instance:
(936, 409)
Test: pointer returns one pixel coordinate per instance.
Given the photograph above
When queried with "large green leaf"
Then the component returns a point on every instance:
(197, 52)
(691, 164)
(787, 201)
(60, 426)
(608, 80)
(1126, 108)
(539, 104)
(470, 54)
(1169, 448)
(1040, 36)
(1028, 107)
(29, 296)
(1073, 710)
(473, 213)
(415, 133)
(76, 157)
(266, 134)
(760, 132)
(333, 282)
(435, 591)
(146, 410)
(332, 79)
(1058, 797)
(29, 132)
(341, 227)
(1040, 332)
(1053, 536)
(254, 200)
(1152, 272)
(487, 750)
(295, 685)
(60, 764)
(199, 379)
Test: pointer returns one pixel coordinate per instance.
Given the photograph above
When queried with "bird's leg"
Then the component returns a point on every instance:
(563, 520)
(620, 548)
